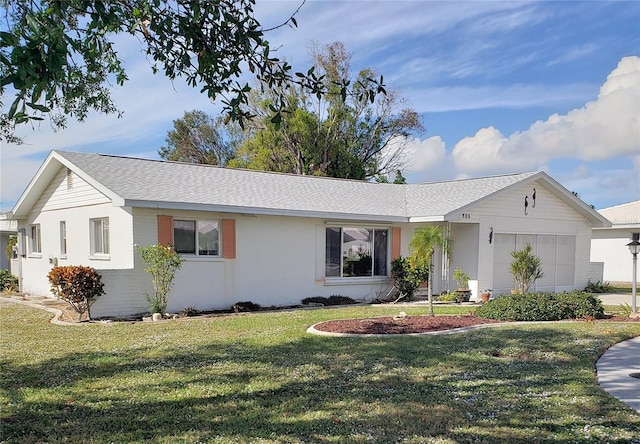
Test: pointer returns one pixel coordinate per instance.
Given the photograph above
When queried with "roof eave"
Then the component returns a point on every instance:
(262, 211)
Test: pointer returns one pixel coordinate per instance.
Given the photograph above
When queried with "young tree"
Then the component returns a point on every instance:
(60, 57)
(526, 269)
(422, 248)
(162, 263)
(200, 138)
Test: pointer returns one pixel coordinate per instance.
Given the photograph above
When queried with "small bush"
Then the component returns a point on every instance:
(407, 278)
(598, 287)
(335, 299)
(246, 306)
(451, 296)
(77, 285)
(542, 307)
(7, 280)
(188, 311)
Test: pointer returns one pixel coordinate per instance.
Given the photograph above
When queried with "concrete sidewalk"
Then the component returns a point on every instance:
(618, 298)
(615, 368)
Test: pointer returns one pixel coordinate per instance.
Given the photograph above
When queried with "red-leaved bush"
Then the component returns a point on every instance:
(79, 286)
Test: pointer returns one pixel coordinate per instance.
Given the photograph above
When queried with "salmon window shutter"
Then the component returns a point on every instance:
(229, 238)
(395, 243)
(165, 230)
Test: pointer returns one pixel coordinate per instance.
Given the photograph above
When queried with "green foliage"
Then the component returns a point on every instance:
(525, 268)
(188, 312)
(61, 58)
(200, 138)
(162, 263)
(7, 280)
(328, 135)
(542, 307)
(598, 287)
(331, 300)
(422, 247)
(12, 241)
(450, 296)
(77, 285)
(461, 278)
(406, 277)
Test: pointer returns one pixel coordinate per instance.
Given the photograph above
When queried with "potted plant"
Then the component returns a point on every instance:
(462, 279)
(485, 295)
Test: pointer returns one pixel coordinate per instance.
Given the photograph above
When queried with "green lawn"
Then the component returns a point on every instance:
(260, 378)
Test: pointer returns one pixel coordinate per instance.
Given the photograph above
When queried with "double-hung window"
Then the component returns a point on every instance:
(99, 236)
(36, 242)
(356, 252)
(198, 237)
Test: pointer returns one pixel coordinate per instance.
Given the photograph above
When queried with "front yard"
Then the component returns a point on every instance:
(260, 378)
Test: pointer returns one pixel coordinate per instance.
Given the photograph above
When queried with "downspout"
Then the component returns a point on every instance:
(445, 256)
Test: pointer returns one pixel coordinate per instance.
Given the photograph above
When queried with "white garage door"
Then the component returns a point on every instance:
(557, 254)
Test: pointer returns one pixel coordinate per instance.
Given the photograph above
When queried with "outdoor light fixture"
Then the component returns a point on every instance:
(634, 248)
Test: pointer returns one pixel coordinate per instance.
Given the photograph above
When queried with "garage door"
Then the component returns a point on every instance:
(557, 254)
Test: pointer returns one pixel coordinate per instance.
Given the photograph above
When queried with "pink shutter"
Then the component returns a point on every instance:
(165, 230)
(229, 238)
(395, 243)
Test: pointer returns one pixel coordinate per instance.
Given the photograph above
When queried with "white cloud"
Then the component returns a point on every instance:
(424, 154)
(605, 128)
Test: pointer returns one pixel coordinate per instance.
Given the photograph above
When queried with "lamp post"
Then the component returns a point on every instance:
(634, 247)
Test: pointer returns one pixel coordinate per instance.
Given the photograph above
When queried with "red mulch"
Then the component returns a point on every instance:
(395, 325)
(417, 324)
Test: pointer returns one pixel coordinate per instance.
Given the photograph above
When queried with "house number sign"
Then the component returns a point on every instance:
(466, 215)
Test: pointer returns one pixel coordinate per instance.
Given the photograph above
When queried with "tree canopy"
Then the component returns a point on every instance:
(60, 58)
(357, 136)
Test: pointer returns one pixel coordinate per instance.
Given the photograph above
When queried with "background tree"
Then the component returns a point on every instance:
(60, 57)
(422, 248)
(358, 136)
(200, 138)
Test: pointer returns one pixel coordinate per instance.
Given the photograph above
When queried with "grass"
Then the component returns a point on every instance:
(260, 378)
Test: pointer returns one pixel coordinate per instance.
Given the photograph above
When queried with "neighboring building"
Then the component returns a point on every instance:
(7, 228)
(275, 239)
(609, 244)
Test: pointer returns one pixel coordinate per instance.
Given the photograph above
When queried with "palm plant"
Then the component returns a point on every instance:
(525, 269)
(422, 248)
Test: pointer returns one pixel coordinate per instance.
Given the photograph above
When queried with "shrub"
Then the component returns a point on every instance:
(407, 278)
(77, 285)
(188, 311)
(246, 306)
(451, 296)
(7, 280)
(331, 300)
(542, 307)
(598, 287)
(162, 263)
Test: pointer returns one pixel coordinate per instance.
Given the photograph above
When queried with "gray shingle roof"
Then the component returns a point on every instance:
(142, 182)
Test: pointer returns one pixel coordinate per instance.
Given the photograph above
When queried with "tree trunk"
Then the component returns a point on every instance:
(430, 290)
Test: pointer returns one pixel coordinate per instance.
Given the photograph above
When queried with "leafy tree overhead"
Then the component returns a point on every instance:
(361, 136)
(199, 138)
(60, 57)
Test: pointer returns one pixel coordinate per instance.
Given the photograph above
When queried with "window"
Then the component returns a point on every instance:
(63, 238)
(201, 238)
(100, 236)
(356, 252)
(36, 243)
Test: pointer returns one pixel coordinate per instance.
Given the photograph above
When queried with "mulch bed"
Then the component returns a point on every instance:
(400, 325)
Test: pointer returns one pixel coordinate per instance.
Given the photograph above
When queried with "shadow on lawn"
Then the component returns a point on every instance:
(486, 386)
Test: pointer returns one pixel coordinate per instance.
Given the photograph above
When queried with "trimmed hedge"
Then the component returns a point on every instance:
(542, 307)
(331, 300)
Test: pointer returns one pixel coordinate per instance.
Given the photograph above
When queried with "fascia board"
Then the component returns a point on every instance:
(419, 219)
(36, 186)
(261, 211)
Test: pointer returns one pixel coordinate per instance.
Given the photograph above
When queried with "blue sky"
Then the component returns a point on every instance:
(501, 87)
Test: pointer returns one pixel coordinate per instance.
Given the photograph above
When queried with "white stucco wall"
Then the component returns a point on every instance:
(610, 247)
